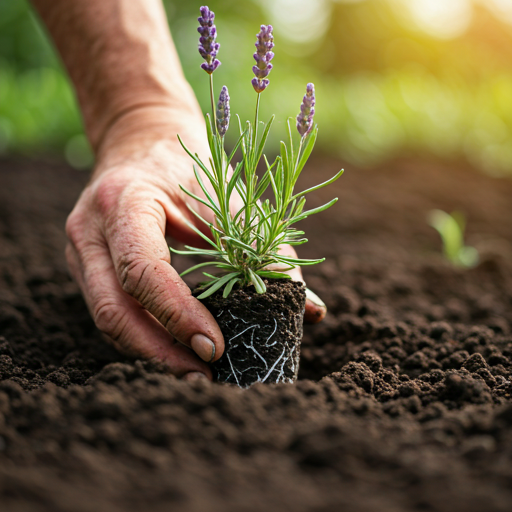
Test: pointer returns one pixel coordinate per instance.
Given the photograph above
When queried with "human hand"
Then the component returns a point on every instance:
(117, 250)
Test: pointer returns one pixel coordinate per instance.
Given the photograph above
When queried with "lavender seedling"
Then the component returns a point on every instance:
(246, 243)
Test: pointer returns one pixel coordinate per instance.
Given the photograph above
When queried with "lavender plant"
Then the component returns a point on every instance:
(245, 244)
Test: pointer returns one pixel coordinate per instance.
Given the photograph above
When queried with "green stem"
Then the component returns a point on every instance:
(255, 132)
(293, 177)
(213, 103)
(298, 155)
(251, 173)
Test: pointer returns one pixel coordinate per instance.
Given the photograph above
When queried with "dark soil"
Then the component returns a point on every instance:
(404, 396)
(262, 333)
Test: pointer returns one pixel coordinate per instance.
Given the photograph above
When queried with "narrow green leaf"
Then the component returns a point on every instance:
(229, 287)
(209, 128)
(237, 145)
(272, 274)
(316, 187)
(262, 185)
(204, 221)
(285, 160)
(292, 155)
(185, 253)
(198, 161)
(194, 251)
(299, 208)
(201, 200)
(275, 190)
(242, 190)
(240, 244)
(306, 214)
(308, 148)
(263, 140)
(200, 265)
(218, 284)
(297, 261)
(205, 252)
(201, 234)
(274, 261)
(211, 140)
(242, 137)
(232, 181)
(257, 282)
(205, 190)
(296, 242)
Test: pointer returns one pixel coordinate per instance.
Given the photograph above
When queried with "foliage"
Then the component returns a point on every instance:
(451, 228)
(246, 243)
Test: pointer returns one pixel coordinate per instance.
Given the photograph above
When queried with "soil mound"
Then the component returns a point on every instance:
(404, 398)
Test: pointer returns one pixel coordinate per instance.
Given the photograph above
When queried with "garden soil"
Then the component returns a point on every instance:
(404, 397)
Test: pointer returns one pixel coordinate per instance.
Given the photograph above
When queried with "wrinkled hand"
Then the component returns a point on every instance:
(119, 257)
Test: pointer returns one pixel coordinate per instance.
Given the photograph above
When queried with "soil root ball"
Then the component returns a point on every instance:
(262, 333)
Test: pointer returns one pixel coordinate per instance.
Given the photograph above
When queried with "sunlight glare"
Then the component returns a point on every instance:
(502, 8)
(300, 21)
(441, 18)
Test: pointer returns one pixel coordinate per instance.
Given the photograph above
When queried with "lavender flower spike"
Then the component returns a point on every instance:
(208, 48)
(223, 112)
(307, 111)
(263, 56)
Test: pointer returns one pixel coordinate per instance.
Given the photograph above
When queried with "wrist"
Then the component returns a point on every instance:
(141, 132)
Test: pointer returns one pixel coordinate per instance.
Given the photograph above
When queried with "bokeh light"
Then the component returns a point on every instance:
(440, 18)
(394, 78)
(301, 22)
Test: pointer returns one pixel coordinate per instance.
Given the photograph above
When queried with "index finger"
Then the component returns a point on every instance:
(141, 258)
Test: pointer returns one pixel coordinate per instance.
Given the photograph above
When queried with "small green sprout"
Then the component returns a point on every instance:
(451, 227)
(245, 244)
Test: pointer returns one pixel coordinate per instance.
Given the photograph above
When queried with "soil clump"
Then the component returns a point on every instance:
(262, 333)
(404, 398)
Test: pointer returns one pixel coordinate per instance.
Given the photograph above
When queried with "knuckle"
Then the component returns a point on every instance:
(136, 280)
(73, 227)
(172, 318)
(110, 319)
(133, 278)
(71, 260)
(107, 194)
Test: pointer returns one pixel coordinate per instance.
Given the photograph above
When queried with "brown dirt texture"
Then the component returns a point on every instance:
(403, 401)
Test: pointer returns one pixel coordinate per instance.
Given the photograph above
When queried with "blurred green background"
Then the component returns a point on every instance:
(394, 78)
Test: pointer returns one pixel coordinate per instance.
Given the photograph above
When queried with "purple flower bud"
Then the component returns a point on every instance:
(208, 48)
(259, 85)
(263, 56)
(307, 111)
(223, 112)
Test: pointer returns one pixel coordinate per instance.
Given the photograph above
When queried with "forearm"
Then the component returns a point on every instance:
(121, 60)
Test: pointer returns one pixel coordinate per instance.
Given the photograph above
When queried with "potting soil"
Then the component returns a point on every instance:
(262, 332)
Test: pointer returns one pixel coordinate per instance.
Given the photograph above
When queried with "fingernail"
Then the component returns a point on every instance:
(203, 347)
(193, 376)
(314, 298)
